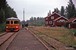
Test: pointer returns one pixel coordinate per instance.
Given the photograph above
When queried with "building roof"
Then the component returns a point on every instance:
(60, 17)
(55, 13)
(57, 17)
(72, 19)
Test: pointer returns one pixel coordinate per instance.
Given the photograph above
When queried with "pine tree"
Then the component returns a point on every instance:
(49, 14)
(56, 10)
(5, 11)
(9, 12)
(3, 3)
(62, 11)
(71, 11)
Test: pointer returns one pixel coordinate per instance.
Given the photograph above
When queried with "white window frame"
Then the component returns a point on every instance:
(52, 17)
(61, 20)
(46, 18)
(50, 22)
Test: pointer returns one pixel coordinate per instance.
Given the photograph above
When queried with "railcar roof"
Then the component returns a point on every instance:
(12, 18)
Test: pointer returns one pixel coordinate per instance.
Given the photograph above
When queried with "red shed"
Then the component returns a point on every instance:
(72, 23)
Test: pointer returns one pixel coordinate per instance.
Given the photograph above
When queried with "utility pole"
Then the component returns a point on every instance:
(23, 22)
(23, 14)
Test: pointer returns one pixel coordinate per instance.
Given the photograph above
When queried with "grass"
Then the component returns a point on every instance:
(74, 31)
(62, 34)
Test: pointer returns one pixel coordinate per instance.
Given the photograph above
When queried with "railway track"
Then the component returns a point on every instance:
(45, 45)
(54, 44)
(5, 39)
(44, 42)
(3, 34)
(23, 40)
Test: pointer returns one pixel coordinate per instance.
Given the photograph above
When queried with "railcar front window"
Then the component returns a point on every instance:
(11, 22)
(7, 22)
(16, 22)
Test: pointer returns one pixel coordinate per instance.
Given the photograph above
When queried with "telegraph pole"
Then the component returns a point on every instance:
(23, 14)
(23, 22)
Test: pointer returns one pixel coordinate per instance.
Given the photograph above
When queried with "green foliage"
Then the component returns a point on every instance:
(1, 16)
(2, 27)
(9, 12)
(3, 3)
(56, 10)
(74, 32)
(62, 11)
(71, 10)
(36, 21)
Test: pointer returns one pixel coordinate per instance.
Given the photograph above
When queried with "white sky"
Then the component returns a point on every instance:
(35, 8)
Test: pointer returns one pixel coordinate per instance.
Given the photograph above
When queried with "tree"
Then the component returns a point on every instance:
(39, 21)
(3, 3)
(1, 16)
(71, 11)
(6, 11)
(56, 10)
(49, 13)
(62, 11)
(34, 19)
(9, 12)
(31, 19)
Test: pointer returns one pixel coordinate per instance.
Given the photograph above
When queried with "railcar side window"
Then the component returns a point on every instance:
(7, 22)
(16, 22)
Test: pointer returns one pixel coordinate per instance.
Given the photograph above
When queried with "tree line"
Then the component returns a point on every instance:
(6, 11)
(68, 12)
(36, 21)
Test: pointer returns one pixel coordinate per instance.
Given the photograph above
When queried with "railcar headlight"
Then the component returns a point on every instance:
(16, 26)
(6, 26)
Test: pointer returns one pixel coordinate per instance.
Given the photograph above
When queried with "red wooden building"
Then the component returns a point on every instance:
(55, 19)
(72, 23)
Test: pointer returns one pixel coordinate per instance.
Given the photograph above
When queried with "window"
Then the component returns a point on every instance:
(46, 22)
(50, 22)
(46, 18)
(61, 20)
(7, 22)
(11, 22)
(52, 17)
(75, 21)
(16, 22)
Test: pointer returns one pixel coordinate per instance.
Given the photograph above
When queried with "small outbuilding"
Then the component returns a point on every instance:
(72, 23)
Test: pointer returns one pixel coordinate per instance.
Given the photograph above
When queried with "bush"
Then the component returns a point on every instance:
(2, 27)
(74, 32)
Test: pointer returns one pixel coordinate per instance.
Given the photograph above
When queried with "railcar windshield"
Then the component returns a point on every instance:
(11, 22)
(7, 22)
(16, 22)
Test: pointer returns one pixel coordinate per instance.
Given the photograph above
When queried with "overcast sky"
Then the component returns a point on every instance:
(35, 8)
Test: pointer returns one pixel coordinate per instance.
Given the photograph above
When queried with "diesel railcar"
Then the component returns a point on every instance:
(12, 24)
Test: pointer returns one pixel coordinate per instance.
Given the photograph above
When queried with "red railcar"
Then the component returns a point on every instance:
(12, 24)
